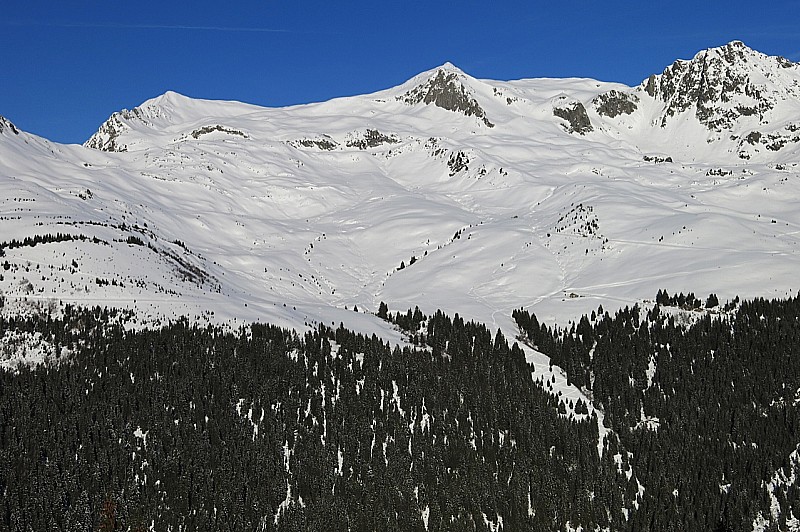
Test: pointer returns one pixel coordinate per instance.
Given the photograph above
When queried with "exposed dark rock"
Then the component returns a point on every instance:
(614, 103)
(656, 159)
(651, 86)
(371, 139)
(458, 161)
(325, 143)
(753, 138)
(718, 172)
(210, 129)
(106, 137)
(719, 85)
(775, 141)
(6, 124)
(575, 114)
(445, 91)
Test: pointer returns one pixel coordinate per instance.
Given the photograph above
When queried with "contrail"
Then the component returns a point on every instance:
(147, 27)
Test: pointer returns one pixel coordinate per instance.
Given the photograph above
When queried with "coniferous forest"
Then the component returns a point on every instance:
(201, 428)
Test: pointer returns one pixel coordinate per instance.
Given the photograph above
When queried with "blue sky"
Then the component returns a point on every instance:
(66, 66)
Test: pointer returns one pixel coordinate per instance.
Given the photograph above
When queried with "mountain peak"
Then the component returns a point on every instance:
(161, 107)
(447, 66)
(169, 99)
(449, 88)
(724, 84)
(738, 53)
(731, 52)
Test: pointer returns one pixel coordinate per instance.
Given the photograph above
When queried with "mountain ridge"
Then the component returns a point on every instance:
(722, 75)
(722, 98)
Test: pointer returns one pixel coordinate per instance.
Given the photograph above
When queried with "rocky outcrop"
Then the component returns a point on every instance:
(723, 85)
(7, 125)
(107, 137)
(756, 141)
(197, 133)
(321, 143)
(614, 103)
(446, 91)
(576, 117)
(370, 139)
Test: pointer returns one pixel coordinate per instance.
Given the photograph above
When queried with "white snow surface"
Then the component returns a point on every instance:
(297, 215)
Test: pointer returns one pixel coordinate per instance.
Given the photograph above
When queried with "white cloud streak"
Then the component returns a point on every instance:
(185, 27)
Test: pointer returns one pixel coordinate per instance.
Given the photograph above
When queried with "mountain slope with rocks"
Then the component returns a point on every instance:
(474, 196)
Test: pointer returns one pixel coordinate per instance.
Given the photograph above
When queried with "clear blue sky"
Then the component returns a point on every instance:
(65, 66)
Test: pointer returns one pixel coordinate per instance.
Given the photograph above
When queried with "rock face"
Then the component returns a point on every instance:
(105, 139)
(323, 142)
(372, 138)
(614, 103)
(107, 136)
(724, 85)
(205, 130)
(575, 115)
(446, 91)
(5, 124)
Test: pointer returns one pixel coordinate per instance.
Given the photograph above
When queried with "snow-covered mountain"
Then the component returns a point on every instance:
(474, 196)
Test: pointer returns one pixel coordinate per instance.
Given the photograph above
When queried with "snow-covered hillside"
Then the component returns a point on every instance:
(473, 196)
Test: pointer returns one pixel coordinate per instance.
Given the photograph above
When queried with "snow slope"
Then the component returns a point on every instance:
(554, 195)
